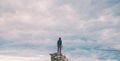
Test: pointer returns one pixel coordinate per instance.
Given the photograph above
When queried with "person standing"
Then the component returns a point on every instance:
(59, 45)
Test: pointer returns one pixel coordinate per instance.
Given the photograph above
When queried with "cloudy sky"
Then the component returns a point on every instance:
(90, 29)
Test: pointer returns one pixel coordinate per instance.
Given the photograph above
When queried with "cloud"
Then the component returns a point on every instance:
(86, 27)
(17, 58)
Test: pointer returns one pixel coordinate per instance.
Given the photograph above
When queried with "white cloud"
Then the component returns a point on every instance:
(88, 59)
(40, 22)
(18, 58)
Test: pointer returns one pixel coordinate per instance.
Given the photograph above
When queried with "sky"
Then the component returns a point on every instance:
(90, 29)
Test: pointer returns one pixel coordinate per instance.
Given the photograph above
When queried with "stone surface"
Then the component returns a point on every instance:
(58, 57)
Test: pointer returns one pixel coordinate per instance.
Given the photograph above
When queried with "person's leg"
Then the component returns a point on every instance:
(60, 49)
(57, 49)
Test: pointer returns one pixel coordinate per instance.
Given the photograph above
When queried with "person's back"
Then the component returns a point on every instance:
(59, 42)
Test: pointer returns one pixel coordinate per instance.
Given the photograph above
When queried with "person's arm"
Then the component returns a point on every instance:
(61, 44)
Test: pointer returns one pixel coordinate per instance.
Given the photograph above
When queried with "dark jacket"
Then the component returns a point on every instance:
(59, 43)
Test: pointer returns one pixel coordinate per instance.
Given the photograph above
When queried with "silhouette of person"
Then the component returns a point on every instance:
(59, 45)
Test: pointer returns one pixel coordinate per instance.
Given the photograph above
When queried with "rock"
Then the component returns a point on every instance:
(58, 57)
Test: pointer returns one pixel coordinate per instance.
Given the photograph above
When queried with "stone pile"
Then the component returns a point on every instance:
(58, 57)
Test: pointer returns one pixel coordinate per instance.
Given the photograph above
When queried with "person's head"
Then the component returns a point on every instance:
(59, 38)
